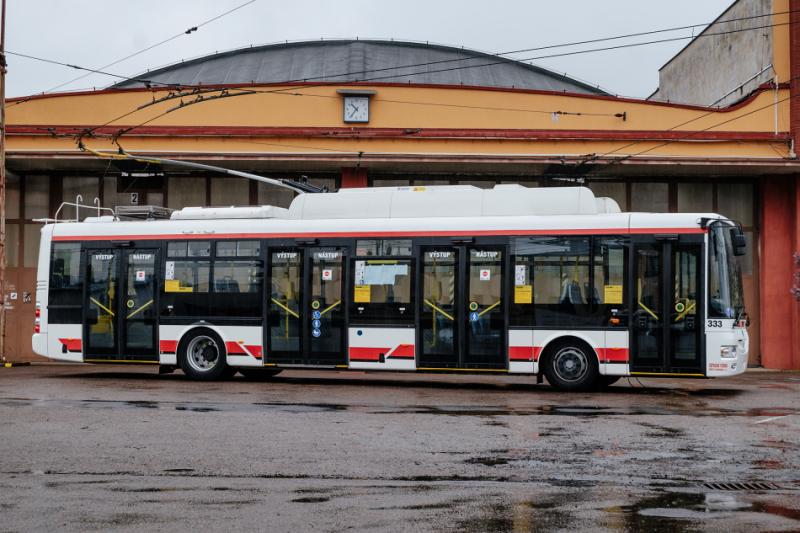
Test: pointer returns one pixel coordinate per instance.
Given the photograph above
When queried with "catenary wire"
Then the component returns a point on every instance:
(188, 31)
(140, 79)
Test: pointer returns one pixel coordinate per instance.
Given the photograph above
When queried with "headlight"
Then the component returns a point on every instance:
(727, 351)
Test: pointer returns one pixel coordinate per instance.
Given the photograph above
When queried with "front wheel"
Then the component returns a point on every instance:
(571, 366)
(202, 356)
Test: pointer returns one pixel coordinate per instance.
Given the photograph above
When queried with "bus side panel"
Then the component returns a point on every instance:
(721, 334)
(40, 340)
(615, 357)
(521, 351)
(64, 342)
(377, 348)
(243, 344)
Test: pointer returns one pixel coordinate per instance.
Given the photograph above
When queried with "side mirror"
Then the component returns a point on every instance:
(738, 241)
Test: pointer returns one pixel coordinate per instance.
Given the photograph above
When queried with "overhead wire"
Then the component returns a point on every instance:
(539, 48)
(101, 70)
(141, 79)
(188, 31)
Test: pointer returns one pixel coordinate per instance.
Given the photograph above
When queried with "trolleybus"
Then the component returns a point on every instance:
(548, 282)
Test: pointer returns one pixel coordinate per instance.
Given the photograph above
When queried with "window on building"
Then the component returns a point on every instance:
(87, 188)
(66, 284)
(649, 197)
(611, 189)
(695, 197)
(186, 192)
(227, 192)
(37, 197)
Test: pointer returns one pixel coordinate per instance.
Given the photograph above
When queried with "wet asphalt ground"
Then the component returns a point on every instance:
(96, 448)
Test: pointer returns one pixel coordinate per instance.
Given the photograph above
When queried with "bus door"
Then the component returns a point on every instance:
(667, 302)
(305, 308)
(120, 320)
(462, 321)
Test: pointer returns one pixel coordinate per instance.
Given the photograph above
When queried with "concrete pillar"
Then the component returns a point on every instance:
(354, 177)
(780, 239)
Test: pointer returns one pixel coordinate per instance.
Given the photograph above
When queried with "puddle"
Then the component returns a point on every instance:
(677, 511)
(311, 499)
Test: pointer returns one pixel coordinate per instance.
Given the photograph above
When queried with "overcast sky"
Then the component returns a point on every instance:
(93, 33)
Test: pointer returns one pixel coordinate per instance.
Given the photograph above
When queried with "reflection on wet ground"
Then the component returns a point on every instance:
(330, 451)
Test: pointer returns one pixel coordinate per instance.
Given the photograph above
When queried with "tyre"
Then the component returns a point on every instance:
(607, 381)
(571, 366)
(201, 356)
(258, 374)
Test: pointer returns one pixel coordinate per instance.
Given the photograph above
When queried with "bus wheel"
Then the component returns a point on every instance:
(202, 356)
(259, 373)
(571, 366)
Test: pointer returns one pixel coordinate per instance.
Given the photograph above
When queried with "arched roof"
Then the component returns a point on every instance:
(362, 60)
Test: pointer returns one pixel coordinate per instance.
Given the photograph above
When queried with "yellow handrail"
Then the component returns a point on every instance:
(140, 309)
(433, 306)
(337, 302)
(285, 308)
(489, 308)
(103, 307)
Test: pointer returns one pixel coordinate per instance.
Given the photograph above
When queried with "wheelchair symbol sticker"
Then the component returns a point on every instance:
(316, 332)
(316, 315)
(316, 324)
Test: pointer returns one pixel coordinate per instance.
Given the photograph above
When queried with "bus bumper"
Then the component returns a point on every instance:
(39, 344)
(726, 353)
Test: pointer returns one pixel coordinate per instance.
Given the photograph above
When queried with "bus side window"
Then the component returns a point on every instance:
(187, 272)
(66, 284)
(610, 262)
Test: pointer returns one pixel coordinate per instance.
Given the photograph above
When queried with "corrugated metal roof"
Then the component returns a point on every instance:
(362, 60)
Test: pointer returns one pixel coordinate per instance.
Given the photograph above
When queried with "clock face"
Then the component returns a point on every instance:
(356, 109)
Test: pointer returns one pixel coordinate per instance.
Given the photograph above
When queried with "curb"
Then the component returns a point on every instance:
(9, 365)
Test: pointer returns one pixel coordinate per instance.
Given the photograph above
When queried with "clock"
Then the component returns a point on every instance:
(356, 108)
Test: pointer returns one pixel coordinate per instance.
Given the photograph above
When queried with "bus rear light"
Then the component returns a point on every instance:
(38, 312)
(37, 328)
(614, 321)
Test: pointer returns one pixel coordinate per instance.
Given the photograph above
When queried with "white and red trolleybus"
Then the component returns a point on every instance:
(548, 281)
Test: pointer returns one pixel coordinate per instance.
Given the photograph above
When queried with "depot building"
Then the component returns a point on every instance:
(718, 135)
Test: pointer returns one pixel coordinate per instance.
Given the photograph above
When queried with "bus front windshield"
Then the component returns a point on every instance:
(725, 294)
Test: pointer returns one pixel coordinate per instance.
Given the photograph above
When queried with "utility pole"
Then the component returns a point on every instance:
(3, 183)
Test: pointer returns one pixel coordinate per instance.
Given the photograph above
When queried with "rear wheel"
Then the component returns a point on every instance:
(571, 366)
(259, 373)
(202, 356)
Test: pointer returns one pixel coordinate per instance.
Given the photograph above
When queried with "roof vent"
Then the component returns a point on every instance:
(142, 212)
(204, 213)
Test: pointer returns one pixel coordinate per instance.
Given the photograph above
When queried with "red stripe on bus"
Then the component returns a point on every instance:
(233, 348)
(342, 234)
(168, 346)
(254, 350)
(367, 354)
(72, 345)
(613, 355)
(537, 351)
(403, 351)
(520, 353)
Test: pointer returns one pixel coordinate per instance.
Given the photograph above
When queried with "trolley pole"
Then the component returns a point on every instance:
(3, 183)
